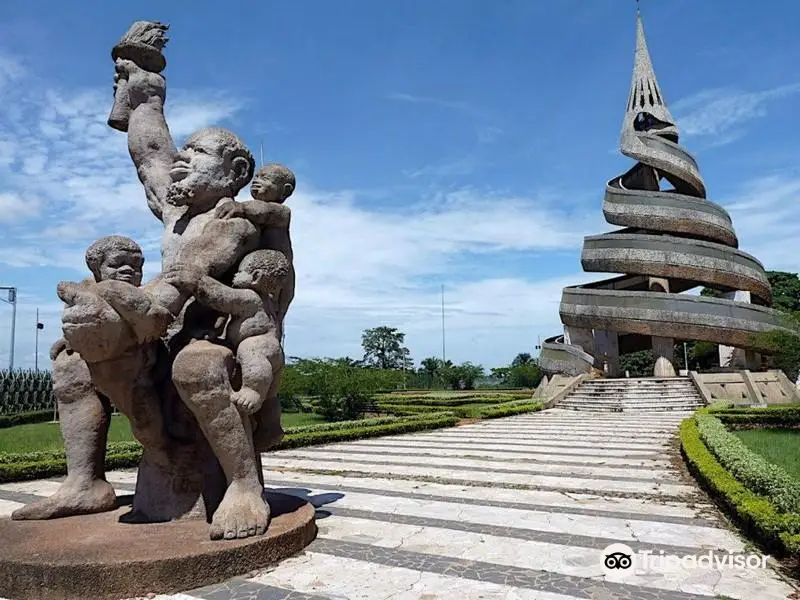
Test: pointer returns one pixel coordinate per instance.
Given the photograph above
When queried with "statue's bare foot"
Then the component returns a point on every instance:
(242, 513)
(70, 499)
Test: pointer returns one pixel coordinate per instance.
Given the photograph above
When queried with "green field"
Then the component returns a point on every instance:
(779, 446)
(44, 436)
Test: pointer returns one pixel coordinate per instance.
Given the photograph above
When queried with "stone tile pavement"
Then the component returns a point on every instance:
(515, 508)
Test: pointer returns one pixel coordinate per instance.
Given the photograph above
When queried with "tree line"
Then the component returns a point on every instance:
(342, 388)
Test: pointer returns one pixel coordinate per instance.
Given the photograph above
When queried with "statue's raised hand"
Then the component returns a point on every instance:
(142, 86)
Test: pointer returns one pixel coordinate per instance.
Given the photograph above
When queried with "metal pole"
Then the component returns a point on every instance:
(36, 347)
(443, 346)
(685, 358)
(13, 297)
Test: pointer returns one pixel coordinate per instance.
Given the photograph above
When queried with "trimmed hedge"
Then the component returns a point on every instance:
(509, 408)
(778, 531)
(50, 463)
(451, 401)
(753, 470)
(36, 416)
(298, 440)
(778, 415)
(452, 397)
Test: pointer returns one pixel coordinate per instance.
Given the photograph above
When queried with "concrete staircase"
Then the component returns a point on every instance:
(647, 394)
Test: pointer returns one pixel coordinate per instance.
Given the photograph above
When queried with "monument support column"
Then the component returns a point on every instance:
(731, 357)
(607, 347)
(663, 347)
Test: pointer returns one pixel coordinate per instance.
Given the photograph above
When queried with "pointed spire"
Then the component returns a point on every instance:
(645, 94)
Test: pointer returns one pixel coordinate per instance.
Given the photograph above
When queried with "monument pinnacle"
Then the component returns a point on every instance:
(645, 94)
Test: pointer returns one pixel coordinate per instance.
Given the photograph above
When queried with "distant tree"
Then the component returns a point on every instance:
(468, 374)
(384, 349)
(501, 373)
(460, 377)
(524, 376)
(523, 358)
(711, 293)
(430, 368)
(785, 291)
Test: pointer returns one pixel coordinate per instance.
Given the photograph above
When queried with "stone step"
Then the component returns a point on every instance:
(685, 399)
(638, 385)
(607, 388)
(609, 409)
(628, 393)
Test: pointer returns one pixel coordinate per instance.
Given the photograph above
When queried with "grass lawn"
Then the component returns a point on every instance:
(44, 436)
(778, 446)
(296, 419)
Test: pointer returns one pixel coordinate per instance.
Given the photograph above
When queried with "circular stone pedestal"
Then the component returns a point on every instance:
(96, 556)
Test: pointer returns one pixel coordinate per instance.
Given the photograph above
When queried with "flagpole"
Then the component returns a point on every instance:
(36, 358)
(444, 356)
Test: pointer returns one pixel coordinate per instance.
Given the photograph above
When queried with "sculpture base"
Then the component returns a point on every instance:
(97, 556)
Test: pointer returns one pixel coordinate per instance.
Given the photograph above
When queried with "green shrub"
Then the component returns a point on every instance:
(417, 401)
(37, 416)
(401, 410)
(51, 463)
(778, 531)
(298, 440)
(748, 467)
(786, 415)
(508, 409)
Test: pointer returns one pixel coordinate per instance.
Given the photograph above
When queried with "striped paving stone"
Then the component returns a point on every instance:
(508, 456)
(492, 510)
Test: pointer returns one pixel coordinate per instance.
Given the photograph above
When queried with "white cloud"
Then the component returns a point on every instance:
(357, 266)
(13, 207)
(10, 69)
(450, 168)
(718, 111)
(764, 214)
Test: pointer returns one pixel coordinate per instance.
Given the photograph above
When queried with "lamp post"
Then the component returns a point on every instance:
(39, 326)
(12, 300)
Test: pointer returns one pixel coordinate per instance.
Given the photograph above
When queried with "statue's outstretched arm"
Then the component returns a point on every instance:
(139, 95)
(149, 141)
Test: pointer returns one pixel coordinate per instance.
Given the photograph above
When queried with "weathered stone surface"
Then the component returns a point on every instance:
(100, 557)
(674, 235)
(193, 358)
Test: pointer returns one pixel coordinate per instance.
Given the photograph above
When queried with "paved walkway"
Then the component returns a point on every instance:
(509, 509)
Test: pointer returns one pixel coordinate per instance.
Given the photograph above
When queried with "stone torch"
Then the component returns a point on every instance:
(141, 44)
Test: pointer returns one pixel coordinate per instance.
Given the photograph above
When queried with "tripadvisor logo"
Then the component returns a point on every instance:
(619, 560)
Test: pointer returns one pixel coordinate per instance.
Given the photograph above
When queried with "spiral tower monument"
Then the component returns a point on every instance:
(672, 240)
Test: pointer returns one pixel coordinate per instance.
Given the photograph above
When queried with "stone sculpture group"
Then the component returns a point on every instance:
(194, 357)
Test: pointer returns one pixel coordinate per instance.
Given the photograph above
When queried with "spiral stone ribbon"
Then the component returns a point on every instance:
(672, 241)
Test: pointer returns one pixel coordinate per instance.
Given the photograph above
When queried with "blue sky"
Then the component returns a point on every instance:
(464, 143)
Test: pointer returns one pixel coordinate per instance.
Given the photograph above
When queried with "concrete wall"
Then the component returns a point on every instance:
(746, 388)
